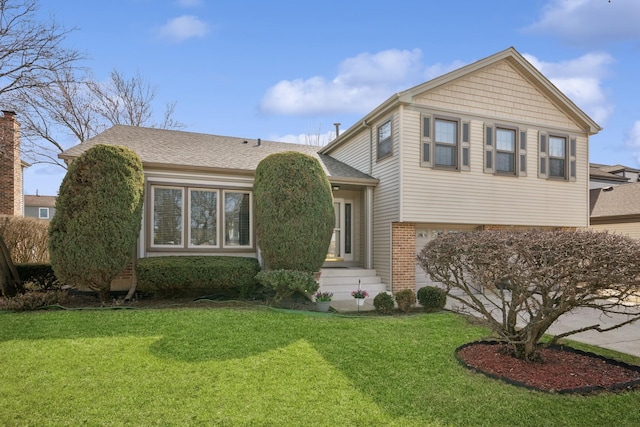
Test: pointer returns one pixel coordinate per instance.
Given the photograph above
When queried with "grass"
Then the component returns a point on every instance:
(263, 367)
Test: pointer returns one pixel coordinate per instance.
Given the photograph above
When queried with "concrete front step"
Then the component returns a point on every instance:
(342, 281)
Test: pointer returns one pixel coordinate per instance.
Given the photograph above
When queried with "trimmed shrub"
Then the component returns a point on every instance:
(26, 238)
(293, 211)
(33, 300)
(172, 275)
(383, 302)
(38, 277)
(432, 298)
(406, 299)
(98, 216)
(285, 283)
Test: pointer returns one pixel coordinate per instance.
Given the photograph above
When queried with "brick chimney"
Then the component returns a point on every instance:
(10, 165)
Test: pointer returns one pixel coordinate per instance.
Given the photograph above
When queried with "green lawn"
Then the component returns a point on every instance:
(233, 367)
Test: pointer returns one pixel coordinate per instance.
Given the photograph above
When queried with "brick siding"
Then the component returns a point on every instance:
(10, 166)
(403, 256)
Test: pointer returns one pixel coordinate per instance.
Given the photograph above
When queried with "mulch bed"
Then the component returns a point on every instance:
(562, 369)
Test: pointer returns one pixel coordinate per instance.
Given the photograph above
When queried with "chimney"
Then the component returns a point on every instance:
(10, 165)
(337, 125)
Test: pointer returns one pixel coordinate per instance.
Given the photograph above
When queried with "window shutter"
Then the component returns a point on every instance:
(542, 169)
(425, 146)
(523, 154)
(465, 162)
(572, 159)
(488, 149)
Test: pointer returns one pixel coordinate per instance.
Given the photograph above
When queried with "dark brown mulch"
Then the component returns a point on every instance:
(561, 370)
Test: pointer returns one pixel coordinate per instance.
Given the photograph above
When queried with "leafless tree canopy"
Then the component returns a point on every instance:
(521, 282)
(29, 49)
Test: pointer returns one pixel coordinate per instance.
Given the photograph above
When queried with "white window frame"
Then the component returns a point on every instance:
(40, 210)
(224, 219)
(152, 217)
(388, 139)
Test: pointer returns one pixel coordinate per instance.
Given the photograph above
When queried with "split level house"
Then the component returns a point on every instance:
(491, 145)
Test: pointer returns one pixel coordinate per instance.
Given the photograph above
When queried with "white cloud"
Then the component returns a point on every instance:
(183, 27)
(586, 22)
(439, 69)
(362, 83)
(633, 140)
(581, 80)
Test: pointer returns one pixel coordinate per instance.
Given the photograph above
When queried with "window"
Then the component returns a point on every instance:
(200, 211)
(505, 150)
(385, 144)
(557, 153)
(557, 157)
(43, 213)
(446, 143)
(237, 219)
(203, 207)
(167, 216)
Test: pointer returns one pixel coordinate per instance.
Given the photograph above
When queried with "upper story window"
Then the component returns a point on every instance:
(557, 157)
(446, 143)
(43, 213)
(505, 150)
(385, 143)
(210, 218)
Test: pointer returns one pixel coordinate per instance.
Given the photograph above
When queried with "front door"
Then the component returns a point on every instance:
(340, 248)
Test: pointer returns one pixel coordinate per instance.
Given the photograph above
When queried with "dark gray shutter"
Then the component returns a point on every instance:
(465, 163)
(542, 169)
(425, 145)
(488, 149)
(523, 154)
(572, 159)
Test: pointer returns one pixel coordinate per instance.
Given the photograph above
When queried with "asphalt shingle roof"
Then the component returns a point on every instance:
(618, 200)
(184, 150)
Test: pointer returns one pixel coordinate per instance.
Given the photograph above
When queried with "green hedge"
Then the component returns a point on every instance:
(40, 276)
(233, 276)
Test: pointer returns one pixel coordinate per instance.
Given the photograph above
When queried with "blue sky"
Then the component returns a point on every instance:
(285, 70)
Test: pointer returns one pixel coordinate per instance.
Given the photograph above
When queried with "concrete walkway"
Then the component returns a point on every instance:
(625, 339)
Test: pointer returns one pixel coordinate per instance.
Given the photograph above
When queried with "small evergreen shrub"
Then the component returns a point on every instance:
(285, 283)
(173, 275)
(33, 300)
(405, 300)
(383, 302)
(38, 277)
(432, 298)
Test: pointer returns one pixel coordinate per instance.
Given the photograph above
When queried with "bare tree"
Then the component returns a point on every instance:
(29, 49)
(520, 283)
(81, 107)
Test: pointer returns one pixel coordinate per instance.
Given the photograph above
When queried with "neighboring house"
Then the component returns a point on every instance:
(610, 175)
(616, 209)
(491, 145)
(11, 166)
(41, 207)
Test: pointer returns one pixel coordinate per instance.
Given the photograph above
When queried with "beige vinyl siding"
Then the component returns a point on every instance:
(498, 91)
(475, 197)
(631, 229)
(356, 152)
(386, 201)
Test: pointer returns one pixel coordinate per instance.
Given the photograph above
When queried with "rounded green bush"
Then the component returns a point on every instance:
(293, 212)
(288, 282)
(405, 300)
(432, 298)
(383, 302)
(93, 234)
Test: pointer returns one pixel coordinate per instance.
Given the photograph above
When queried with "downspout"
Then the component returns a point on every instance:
(368, 202)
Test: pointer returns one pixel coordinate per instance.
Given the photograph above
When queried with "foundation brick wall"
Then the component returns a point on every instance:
(10, 165)
(403, 256)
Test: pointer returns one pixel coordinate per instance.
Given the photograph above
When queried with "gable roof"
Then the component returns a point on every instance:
(515, 59)
(171, 149)
(615, 201)
(40, 201)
